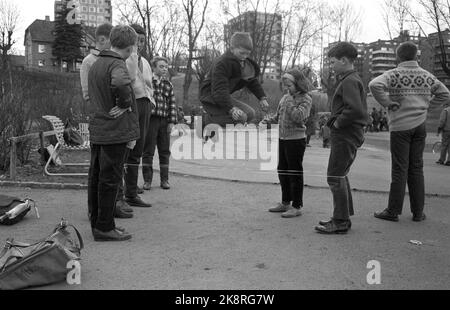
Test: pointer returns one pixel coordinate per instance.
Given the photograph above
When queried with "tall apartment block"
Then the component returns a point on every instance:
(264, 28)
(436, 55)
(89, 12)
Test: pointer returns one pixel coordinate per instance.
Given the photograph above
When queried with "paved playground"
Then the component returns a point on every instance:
(208, 233)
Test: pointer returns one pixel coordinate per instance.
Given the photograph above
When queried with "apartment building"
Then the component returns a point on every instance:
(88, 12)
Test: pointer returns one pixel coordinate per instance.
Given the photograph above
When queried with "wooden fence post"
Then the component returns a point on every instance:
(13, 159)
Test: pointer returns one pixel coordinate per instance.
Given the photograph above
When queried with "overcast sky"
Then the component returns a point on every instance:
(372, 29)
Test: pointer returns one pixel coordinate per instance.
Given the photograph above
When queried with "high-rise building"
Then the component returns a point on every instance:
(265, 29)
(436, 59)
(89, 12)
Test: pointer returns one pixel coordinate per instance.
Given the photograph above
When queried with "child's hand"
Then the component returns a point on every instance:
(117, 112)
(264, 105)
(237, 114)
(394, 106)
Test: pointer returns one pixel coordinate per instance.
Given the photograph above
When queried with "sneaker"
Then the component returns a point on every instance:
(165, 185)
(386, 215)
(291, 212)
(440, 162)
(333, 228)
(419, 218)
(147, 186)
(139, 190)
(113, 235)
(281, 208)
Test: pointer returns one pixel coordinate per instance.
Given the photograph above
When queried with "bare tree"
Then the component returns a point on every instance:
(9, 17)
(195, 21)
(347, 20)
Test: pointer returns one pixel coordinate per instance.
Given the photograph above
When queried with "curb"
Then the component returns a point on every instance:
(74, 186)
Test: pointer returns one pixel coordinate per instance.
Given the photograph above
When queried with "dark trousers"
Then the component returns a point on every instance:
(344, 146)
(407, 149)
(445, 147)
(134, 157)
(157, 136)
(290, 170)
(105, 175)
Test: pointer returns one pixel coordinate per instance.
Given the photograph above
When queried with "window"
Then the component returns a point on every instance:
(84, 8)
(91, 17)
(101, 10)
(91, 9)
(41, 49)
(100, 18)
(92, 1)
(41, 63)
(83, 1)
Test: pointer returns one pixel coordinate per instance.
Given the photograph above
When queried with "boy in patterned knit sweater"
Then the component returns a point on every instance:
(407, 92)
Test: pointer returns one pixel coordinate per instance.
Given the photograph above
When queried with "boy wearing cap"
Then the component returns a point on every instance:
(233, 71)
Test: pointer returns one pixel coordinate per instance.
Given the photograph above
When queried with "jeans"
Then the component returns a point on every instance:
(407, 149)
(290, 170)
(105, 175)
(344, 146)
(445, 147)
(135, 155)
(157, 136)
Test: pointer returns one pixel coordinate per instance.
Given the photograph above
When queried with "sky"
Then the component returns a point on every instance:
(30, 10)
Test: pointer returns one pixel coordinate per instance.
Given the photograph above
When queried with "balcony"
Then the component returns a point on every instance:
(384, 65)
(383, 52)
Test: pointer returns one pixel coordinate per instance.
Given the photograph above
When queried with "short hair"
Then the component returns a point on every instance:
(407, 51)
(157, 59)
(103, 30)
(138, 28)
(123, 36)
(344, 49)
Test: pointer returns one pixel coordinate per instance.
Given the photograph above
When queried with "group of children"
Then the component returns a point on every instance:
(132, 111)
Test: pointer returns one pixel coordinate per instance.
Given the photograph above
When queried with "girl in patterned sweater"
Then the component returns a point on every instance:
(293, 111)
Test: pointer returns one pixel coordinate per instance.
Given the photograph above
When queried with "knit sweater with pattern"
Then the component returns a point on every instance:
(414, 89)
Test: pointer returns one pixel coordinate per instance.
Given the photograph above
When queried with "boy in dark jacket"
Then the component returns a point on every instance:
(232, 72)
(113, 128)
(348, 117)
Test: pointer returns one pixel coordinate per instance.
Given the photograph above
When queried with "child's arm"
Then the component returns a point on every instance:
(440, 93)
(274, 119)
(84, 74)
(133, 66)
(353, 103)
(220, 87)
(379, 87)
(300, 109)
(121, 84)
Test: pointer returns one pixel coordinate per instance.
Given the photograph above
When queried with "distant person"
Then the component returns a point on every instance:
(231, 72)
(444, 129)
(375, 120)
(311, 126)
(292, 113)
(163, 118)
(142, 78)
(102, 43)
(349, 115)
(113, 129)
(407, 92)
(384, 122)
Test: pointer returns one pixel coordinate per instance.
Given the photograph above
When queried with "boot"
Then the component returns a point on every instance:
(164, 173)
(148, 177)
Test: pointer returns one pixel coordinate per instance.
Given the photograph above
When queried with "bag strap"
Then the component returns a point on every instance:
(63, 225)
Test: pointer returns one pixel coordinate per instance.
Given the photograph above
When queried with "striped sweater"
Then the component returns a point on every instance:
(414, 89)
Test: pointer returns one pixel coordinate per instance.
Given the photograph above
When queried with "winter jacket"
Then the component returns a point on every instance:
(224, 78)
(110, 86)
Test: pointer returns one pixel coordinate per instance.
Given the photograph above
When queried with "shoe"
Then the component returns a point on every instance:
(139, 190)
(386, 215)
(165, 185)
(291, 213)
(419, 218)
(323, 223)
(333, 228)
(147, 186)
(113, 235)
(281, 208)
(123, 206)
(137, 202)
(121, 214)
(440, 162)
(447, 163)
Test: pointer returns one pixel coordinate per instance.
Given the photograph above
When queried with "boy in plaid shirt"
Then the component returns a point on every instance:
(163, 117)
